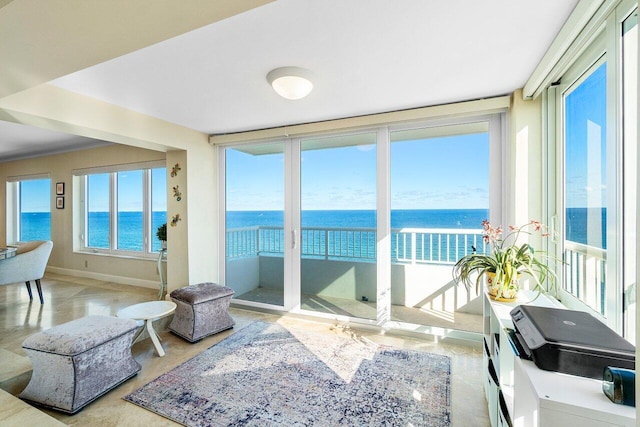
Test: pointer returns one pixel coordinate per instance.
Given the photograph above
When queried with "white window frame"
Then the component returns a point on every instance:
(604, 45)
(13, 204)
(80, 181)
(497, 130)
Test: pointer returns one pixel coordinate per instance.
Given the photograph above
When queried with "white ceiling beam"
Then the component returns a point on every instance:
(44, 40)
(50, 107)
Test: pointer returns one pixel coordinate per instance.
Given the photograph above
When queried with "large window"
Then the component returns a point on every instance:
(596, 119)
(438, 202)
(97, 212)
(585, 187)
(130, 223)
(29, 209)
(364, 224)
(122, 209)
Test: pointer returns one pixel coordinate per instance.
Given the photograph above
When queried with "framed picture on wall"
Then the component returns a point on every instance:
(59, 202)
(60, 189)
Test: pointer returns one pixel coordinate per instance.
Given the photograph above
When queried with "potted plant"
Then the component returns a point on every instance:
(161, 234)
(504, 262)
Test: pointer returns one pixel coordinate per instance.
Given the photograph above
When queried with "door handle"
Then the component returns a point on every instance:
(293, 239)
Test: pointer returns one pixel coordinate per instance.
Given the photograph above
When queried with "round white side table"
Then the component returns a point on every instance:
(148, 312)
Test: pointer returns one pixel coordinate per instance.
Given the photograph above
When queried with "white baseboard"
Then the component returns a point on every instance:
(105, 277)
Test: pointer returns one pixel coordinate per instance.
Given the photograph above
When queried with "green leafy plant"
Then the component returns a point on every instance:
(161, 232)
(506, 259)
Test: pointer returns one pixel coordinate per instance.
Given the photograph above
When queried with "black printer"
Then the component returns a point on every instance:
(569, 341)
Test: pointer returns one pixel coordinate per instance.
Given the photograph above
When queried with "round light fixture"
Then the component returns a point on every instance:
(290, 82)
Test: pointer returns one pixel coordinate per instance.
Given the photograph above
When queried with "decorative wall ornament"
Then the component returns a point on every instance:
(176, 193)
(174, 171)
(175, 219)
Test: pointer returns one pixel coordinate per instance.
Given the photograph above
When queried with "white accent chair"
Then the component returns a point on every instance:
(28, 264)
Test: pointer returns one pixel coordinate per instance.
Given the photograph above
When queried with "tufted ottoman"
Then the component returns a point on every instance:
(77, 362)
(202, 310)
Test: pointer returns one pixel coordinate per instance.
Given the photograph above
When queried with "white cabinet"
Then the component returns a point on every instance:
(525, 396)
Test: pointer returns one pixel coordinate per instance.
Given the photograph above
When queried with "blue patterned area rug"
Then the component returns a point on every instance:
(266, 375)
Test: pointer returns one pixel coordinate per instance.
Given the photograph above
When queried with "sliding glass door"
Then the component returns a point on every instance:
(362, 225)
(254, 222)
(338, 233)
(439, 198)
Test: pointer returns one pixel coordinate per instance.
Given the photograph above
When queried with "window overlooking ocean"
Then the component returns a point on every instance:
(585, 187)
(97, 199)
(130, 223)
(595, 107)
(365, 223)
(123, 209)
(35, 210)
(586, 160)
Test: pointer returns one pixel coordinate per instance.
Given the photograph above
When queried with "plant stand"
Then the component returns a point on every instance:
(163, 280)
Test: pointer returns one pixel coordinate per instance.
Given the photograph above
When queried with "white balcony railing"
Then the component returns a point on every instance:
(585, 274)
(408, 245)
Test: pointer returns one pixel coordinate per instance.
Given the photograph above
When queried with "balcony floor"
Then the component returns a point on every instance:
(367, 310)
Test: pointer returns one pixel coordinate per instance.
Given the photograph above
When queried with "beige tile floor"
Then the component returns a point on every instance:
(68, 298)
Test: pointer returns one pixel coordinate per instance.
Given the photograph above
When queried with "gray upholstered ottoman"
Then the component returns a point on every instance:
(77, 362)
(202, 310)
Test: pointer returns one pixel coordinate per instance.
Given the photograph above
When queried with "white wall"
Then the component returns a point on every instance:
(420, 285)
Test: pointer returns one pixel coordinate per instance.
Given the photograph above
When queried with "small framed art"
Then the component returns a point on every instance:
(60, 189)
(59, 202)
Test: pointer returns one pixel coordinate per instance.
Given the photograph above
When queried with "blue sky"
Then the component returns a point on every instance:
(129, 191)
(435, 173)
(585, 158)
(36, 194)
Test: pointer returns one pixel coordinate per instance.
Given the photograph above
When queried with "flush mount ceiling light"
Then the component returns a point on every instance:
(290, 82)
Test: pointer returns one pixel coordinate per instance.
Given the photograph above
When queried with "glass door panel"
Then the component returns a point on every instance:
(439, 198)
(338, 234)
(585, 188)
(255, 222)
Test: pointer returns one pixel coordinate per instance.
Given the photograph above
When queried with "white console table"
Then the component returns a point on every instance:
(518, 390)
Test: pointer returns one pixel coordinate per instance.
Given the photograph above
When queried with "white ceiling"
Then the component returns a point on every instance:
(367, 56)
(20, 141)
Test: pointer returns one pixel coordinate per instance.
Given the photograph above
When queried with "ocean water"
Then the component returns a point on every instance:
(433, 218)
(350, 234)
(37, 225)
(130, 226)
(587, 226)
